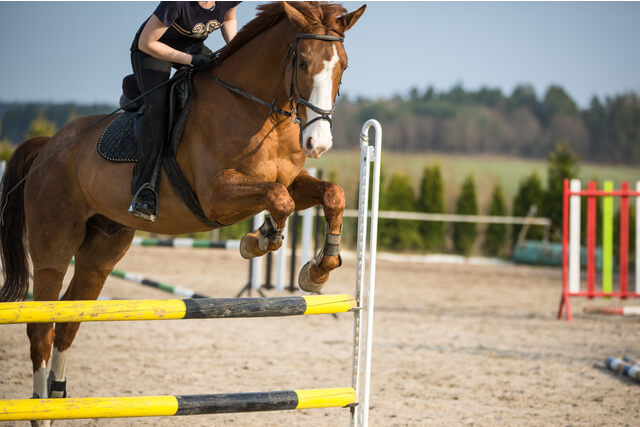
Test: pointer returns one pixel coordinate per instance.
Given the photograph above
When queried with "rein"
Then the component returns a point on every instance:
(292, 114)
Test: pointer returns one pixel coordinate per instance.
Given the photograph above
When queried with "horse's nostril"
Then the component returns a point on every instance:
(309, 143)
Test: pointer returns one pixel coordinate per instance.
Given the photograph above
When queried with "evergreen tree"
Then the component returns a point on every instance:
(496, 233)
(530, 192)
(5, 150)
(558, 102)
(41, 126)
(431, 199)
(72, 115)
(562, 164)
(398, 234)
(464, 233)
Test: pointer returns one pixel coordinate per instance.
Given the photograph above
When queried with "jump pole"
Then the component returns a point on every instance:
(614, 311)
(203, 308)
(186, 243)
(629, 369)
(141, 280)
(149, 406)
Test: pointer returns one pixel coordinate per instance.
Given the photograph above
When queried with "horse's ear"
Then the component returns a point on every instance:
(347, 21)
(297, 18)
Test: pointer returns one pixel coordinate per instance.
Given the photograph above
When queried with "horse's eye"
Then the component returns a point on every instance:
(303, 65)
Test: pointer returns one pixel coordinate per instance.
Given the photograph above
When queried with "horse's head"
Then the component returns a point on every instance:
(318, 61)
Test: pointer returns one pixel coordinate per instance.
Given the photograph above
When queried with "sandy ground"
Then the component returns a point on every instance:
(454, 345)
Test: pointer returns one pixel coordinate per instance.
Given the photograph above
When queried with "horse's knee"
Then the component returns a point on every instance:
(333, 198)
(280, 203)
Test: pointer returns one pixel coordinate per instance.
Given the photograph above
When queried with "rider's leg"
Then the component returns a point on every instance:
(150, 72)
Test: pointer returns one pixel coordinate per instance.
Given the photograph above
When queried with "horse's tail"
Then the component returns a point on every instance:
(15, 267)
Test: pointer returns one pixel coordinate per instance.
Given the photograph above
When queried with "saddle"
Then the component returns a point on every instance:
(118, 142)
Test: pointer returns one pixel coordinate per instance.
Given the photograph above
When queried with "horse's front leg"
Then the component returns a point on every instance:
(308, 191)
(235, 195)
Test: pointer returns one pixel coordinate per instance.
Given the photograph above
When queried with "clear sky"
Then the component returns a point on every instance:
(79, 51)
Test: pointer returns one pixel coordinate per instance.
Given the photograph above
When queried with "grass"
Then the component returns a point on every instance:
(487, 171)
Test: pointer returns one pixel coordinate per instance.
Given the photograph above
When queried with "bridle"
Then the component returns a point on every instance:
(322, 113)
(294, 104)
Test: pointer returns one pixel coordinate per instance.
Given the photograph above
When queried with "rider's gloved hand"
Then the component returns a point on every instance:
(201, 62)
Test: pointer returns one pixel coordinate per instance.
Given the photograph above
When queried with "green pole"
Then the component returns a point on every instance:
(607, 239)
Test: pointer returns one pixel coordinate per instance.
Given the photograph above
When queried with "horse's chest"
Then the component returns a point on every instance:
(287, 173)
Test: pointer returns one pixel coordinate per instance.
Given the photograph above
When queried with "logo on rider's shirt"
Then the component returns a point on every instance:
(201, 30)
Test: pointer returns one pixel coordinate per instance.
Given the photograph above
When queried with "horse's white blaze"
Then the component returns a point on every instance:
(322, 97)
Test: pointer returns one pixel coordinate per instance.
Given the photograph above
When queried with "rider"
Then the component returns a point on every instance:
(174, 34)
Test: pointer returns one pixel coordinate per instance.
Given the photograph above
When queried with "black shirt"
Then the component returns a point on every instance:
(189, 24)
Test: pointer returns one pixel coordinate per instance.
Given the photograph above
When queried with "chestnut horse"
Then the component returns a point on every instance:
(238, 156)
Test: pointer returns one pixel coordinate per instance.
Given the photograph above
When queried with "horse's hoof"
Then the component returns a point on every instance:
(248, 243)
(305, 282)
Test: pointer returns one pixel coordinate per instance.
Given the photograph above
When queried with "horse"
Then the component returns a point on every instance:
(238, 156)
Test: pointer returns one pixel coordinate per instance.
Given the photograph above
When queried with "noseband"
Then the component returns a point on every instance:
(293, 87)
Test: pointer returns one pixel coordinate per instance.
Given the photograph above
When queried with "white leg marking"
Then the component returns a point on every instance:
(321, 96)
(40, 381)
(58, 364)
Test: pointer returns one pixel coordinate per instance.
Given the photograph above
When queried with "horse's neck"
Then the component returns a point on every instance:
(258, 67)
(217, 135)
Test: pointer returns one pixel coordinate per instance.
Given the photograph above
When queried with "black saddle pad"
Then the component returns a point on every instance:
(118, 142)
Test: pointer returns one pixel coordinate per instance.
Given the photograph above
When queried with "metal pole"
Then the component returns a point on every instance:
(307, 225)
(294, 243)
(256, 263)
(267, 278)
(281, 259)
(365, 296)
(317, 222)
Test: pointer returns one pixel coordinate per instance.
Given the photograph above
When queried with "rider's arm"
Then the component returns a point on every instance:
(230, 25)
(149, 43)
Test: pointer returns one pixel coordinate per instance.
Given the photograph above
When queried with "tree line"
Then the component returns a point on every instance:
(454, 121)
(488, 121)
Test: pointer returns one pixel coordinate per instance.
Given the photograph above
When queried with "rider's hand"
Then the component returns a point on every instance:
(201, 62)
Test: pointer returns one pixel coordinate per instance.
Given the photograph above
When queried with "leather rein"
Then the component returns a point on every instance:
(292, 114)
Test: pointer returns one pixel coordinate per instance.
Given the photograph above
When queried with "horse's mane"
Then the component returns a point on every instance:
(270, 13)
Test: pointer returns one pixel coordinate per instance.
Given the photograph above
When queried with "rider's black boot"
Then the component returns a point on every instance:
(144, 204)
(147, 169)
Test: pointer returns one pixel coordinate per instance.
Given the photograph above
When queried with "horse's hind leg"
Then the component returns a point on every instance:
(54, 234)
(47, 284)
(308, 191)
(95, 259)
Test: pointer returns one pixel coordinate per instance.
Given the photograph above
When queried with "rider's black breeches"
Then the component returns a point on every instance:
(150, 72)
